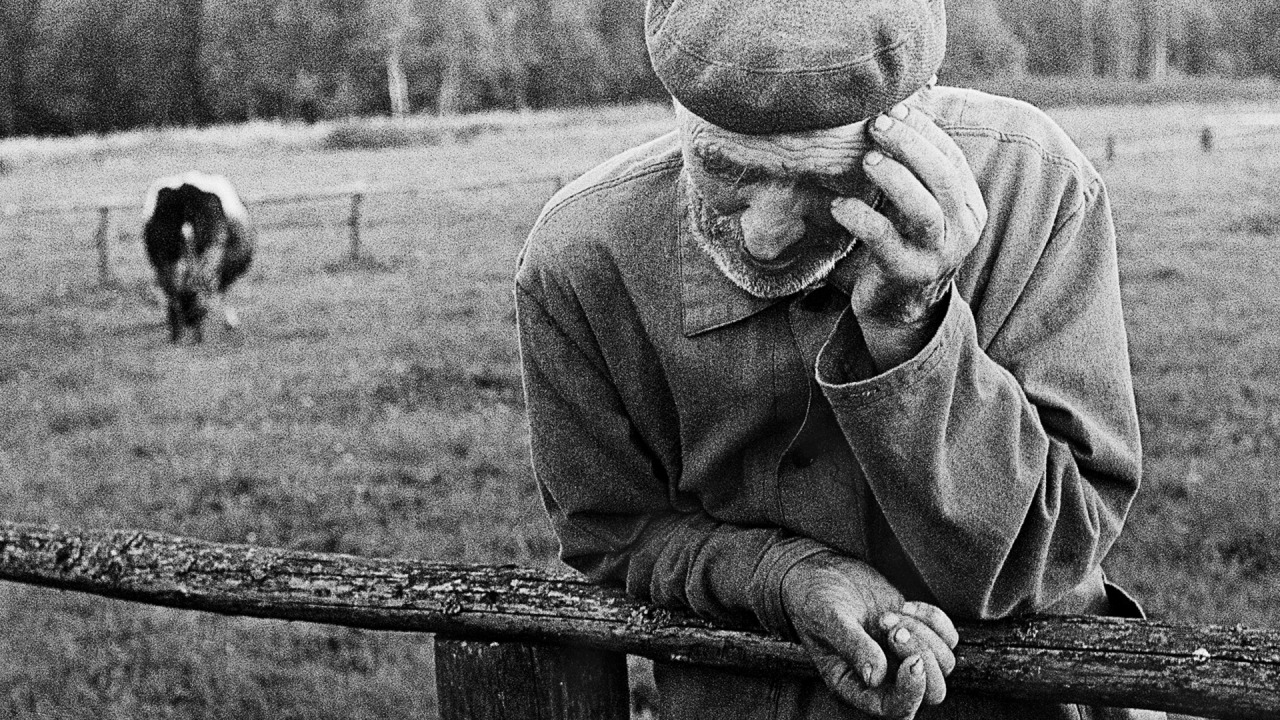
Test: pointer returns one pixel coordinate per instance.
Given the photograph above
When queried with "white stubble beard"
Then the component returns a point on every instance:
(720, 237)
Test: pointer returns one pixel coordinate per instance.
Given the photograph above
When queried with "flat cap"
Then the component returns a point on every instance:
(771, 66)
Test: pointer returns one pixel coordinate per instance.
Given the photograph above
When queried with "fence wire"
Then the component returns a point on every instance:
(54, 248)
(50, 247)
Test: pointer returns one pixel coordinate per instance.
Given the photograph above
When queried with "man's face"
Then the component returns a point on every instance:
(762, 203)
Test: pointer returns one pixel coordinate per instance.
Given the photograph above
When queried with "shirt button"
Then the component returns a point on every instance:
(799, 460)
(818, 300)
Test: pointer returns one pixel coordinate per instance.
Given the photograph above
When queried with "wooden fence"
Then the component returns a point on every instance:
(514, 643)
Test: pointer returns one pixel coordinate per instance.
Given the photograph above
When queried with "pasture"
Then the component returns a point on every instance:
(374, 407)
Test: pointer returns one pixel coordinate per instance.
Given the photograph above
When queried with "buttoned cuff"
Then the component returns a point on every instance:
(769, 575)
(844, 366)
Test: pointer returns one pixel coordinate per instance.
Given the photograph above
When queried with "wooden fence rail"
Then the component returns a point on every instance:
(514, 642)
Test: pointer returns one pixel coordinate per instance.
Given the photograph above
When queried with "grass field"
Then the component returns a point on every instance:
(375, 408)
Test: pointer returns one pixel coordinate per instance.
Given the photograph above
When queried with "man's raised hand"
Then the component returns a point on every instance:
(911, 247)
(877, 653)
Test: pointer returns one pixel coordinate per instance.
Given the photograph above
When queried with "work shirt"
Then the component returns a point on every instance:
(694, 442)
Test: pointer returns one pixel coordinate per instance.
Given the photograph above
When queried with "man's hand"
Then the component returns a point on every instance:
(877, 653)
(911, 247)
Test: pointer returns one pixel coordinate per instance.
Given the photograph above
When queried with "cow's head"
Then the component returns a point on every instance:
(190, 274)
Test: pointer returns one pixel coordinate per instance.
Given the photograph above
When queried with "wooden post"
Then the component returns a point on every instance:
(102, 240)
(481, 680)
(353, 223)
(1111, 148)
(1206, 139)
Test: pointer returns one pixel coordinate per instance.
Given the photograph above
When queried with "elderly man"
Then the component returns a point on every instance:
(843, 355)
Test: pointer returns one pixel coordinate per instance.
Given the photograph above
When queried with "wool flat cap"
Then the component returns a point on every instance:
(770, 66)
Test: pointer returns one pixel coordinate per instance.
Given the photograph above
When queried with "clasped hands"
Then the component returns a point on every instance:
(883, 656)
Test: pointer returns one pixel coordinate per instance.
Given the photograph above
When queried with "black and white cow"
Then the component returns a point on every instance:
(199, 240)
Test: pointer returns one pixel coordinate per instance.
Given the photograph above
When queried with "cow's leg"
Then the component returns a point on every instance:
(229, 314)
(175, 321)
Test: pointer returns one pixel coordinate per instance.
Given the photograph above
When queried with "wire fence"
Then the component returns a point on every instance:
(51, 245)
(1262, 132)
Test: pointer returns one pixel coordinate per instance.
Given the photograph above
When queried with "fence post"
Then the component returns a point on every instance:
(1111, 148)
(102, 240)
(482, 680)
(353, 222)
(1206, 139)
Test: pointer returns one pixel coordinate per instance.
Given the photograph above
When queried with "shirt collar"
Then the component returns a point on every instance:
(711, 300)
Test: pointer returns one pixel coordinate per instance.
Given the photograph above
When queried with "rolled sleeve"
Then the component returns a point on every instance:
(607, 493)
(1004, 472)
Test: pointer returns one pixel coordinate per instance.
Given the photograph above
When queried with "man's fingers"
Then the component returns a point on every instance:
(908, 636)
(935, 686)
(850, 642)
(920, 210)
(863, 222)
(841, 677)
(894, 256)
(899, 139)
(922, 123)
(899, 698)
(911, 137)
(908, 692)
(935, 618)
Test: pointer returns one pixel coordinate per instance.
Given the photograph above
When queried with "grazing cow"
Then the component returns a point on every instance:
(199, 240)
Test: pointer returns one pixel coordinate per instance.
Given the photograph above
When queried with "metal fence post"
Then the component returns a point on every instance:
(482, 680)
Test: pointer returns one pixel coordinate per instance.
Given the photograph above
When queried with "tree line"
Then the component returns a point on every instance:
(75, 66)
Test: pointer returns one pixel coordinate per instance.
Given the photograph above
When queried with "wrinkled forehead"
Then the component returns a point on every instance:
(828, 151)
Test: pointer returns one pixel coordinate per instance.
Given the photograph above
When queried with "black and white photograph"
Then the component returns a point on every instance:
(639, 360)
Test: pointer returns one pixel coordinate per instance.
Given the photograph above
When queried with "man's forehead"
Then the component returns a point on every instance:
(832, 150)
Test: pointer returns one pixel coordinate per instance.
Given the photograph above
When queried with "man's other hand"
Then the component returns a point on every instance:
(911, 245)
(881, 655)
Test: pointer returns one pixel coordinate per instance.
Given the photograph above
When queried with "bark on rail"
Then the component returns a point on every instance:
(1213, 671)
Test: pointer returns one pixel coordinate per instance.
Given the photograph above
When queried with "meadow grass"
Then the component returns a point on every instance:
(374, 407)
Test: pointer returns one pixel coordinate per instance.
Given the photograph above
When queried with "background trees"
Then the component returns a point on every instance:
(69, 66)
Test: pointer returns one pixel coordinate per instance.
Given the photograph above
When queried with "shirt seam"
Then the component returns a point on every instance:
(1017, 138)
(649, 168)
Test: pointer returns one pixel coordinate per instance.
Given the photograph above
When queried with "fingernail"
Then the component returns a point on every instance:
(883, 123)
(866, 674)
(917, 666)
(902, 636)
(910, 608)
(888, 620)
(899, 111)
(873, 158)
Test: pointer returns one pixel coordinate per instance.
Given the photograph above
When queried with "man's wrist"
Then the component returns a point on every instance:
(891, 343)
(771, 581)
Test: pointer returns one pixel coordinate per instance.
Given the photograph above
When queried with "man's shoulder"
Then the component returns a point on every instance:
(1005, 125)
(627, 199)
(612, 189)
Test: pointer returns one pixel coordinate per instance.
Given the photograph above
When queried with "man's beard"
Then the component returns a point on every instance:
(720, 237)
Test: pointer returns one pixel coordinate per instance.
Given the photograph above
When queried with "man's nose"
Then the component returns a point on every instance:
(774, 220)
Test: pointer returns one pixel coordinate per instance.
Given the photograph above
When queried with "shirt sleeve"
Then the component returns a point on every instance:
(1004, 470)
(606, 492)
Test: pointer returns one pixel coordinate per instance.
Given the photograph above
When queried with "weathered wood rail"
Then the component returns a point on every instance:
(544, 645)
